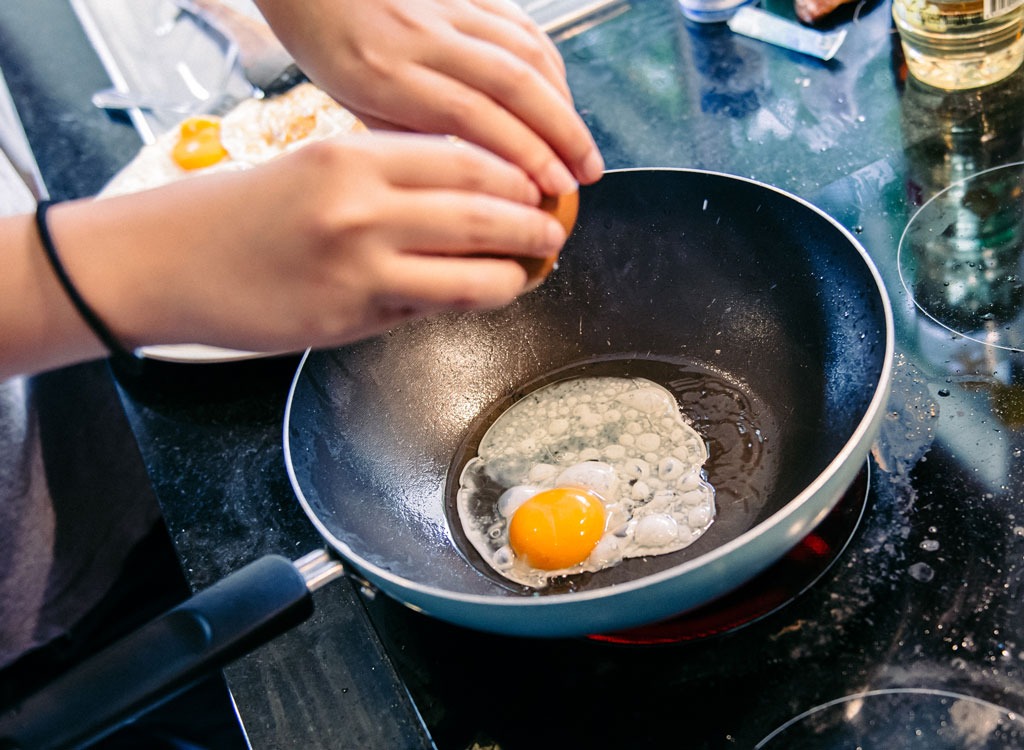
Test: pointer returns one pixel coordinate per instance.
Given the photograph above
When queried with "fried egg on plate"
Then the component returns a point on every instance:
(582, 474)
(254, 131)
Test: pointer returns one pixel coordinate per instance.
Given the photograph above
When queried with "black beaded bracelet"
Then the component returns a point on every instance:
(119, 354)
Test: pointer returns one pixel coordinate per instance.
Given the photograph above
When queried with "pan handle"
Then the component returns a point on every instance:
(160, 660)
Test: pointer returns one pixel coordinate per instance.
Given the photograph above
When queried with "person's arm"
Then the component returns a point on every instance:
(477, 69)
(39, 327)
(333, 242)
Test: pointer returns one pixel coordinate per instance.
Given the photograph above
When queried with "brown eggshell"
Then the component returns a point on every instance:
(565, 208)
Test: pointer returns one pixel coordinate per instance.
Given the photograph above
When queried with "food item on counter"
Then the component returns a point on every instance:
(199, 143)
(601, 469)
(255, 131)
(565, 208)
(814, 11)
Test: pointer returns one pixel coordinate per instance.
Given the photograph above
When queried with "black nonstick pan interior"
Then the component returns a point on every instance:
(763, 315)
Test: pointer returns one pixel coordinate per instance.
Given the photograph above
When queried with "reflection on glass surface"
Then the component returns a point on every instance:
(948, 136)
(965, 246)
(960, 254)
(729, 79)
(901, 718)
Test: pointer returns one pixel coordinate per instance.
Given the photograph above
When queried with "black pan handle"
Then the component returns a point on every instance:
(160, 660)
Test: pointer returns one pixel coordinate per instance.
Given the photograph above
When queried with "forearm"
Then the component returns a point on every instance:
(39, 327)
(114, 253)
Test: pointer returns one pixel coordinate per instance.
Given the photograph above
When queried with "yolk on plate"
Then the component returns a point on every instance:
(199, 143)
(557, 528)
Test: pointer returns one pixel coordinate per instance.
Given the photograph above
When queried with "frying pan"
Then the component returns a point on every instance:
(762, 314)
(720, 288)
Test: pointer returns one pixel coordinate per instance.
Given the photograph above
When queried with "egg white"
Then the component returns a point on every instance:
(623, 438)
(254, 131)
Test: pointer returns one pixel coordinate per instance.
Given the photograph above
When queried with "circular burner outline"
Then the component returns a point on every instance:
(652, 635)
(932, 692)
(907, 282)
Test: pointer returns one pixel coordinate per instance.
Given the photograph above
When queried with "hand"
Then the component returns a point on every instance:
(477, 69)
(333, 242)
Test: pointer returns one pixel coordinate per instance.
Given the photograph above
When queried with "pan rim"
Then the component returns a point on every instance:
(859, 442)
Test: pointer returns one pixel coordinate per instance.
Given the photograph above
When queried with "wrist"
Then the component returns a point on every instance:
(122, 355)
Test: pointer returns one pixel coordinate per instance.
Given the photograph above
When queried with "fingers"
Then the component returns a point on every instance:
(419, 161)
(438, 222)
(506, 57)
(430, 285)
(554, 129)
(434, 196)
(478, 69)
(540, 132)
(506, 25)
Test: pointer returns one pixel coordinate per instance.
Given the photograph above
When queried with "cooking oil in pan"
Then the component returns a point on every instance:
(735, 424)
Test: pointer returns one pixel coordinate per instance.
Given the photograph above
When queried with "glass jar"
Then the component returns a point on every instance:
(960, 44)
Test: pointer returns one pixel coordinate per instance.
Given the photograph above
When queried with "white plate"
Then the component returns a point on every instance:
(196, 353)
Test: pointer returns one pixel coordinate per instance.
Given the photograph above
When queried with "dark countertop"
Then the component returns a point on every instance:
(926, 596)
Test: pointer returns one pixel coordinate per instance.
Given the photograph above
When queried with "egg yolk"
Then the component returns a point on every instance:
(198, 143)
(557, 528)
